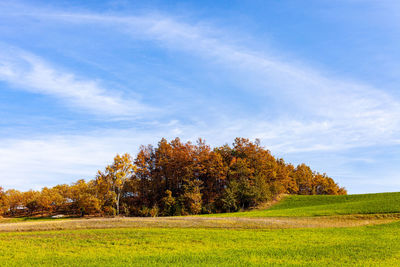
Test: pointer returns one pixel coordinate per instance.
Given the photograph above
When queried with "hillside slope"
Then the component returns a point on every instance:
(322, 205)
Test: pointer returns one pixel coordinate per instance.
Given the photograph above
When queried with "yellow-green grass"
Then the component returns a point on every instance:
(377, 245)
(295, 205)
(357, 230)
(31, 219)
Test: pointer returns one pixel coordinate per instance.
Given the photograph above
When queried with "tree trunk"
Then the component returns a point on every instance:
(118, 196)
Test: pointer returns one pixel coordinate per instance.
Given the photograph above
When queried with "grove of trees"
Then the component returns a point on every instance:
(176, 178)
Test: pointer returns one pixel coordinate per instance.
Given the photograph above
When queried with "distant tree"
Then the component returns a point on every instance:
(83, 197)
(241, 175)
(229, 197)
(303, 176)
(3, 202)
(168, 204)
(324, 185)
(15, 200)
(140, 187)
(192, 196)
(210, 170)
(30, 200)
(177, 178)
(286, 182)
(115, 177)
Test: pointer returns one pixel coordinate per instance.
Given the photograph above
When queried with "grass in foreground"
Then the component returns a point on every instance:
(358, 246)
(206, 241)
(293, 206)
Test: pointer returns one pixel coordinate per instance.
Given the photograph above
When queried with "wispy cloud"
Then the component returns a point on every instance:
(51, 159)
(327, 111)
(26, 71)
(316, 111)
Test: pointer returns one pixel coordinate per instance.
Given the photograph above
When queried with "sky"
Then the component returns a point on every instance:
(317, 83)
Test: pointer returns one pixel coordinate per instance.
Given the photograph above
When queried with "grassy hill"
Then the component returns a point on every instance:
(294, 206)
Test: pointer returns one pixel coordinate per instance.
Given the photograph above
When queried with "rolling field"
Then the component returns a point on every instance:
(361, 230)
(294, 206)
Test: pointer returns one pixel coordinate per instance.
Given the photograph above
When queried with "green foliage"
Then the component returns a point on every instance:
(168, 204)
(230, 201)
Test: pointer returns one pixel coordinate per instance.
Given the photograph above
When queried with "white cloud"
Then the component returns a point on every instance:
(29, 72)
(319, 113)
(46, 160)
(328, 112)
(51, 160)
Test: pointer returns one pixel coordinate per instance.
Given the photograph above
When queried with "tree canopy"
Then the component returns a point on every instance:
(176, 178)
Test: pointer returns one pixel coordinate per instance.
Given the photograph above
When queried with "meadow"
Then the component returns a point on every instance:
(368, 245)
(323, 205)
(355, 230)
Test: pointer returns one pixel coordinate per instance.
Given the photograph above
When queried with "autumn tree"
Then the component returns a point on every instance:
(324, 185)
(209, 169)
(3, 202)
(115, 177)
(83, 198)
(285, 182)
(30, 201)
(177, 178)
(192, 196)
(15, 200)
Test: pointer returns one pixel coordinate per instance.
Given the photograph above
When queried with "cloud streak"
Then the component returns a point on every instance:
(338, 113)
(316, 112)
(28, 72)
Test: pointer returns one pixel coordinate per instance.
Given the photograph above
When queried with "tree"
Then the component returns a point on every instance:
(3, 202)
(15, 200)
(210, 170)
(323, 185)
(83, 197)
(116, 176)
(303, 175)
(192, 196)
(241, 175)
(168, 204)
(229, 199)
(31, 201)
(177, 178)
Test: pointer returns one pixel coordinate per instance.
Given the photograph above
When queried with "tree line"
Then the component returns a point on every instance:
(176, 178)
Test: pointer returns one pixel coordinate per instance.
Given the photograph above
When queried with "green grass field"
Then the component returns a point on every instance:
(293, 206)
(199, 241)
(362, 246)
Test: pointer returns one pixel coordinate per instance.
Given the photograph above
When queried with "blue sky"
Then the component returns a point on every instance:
(83, 80)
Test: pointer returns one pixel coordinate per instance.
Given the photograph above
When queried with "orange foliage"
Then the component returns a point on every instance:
(177, 178)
